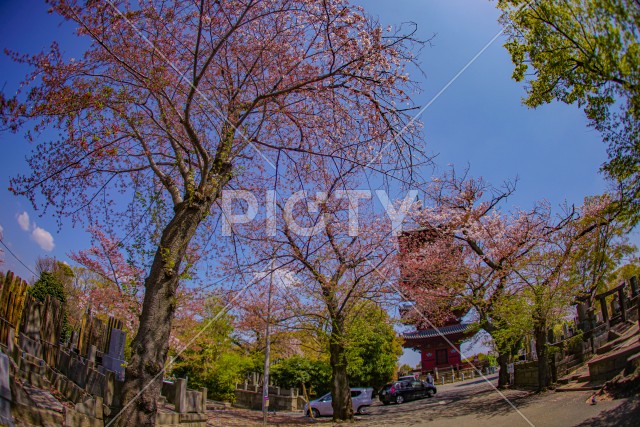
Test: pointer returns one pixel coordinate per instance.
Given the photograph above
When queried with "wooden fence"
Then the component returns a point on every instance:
(13, 291)
(42, 322)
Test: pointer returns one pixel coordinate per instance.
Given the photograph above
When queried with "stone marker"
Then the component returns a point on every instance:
(114, 359)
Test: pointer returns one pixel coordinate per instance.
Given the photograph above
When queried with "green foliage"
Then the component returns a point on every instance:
(295, 370)
(585, 52)
(404, 370)
(624, 273)
(597, 254)
(574, 344)
(491, 359)
(512, 319)
(373, 347)
(213, 361)
(50, 284)
(372, 352)
(219, 374)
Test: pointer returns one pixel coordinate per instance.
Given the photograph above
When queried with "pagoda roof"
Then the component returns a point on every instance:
(435, 332)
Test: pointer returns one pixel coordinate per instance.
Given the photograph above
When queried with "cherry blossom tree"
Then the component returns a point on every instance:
(465, 252)
(338, 247)
(173, 101)
(106, 283)
(471, 253)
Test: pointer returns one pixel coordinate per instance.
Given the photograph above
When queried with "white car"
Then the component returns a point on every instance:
(361, 399)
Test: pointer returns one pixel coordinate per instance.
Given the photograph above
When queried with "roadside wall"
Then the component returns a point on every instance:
(526, 374)
(250, 396)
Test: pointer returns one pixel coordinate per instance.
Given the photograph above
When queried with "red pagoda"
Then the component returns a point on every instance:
(435, 350)
(438, 344)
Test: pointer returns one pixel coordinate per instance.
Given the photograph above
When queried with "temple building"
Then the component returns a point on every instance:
(435, 350)
(438, 344)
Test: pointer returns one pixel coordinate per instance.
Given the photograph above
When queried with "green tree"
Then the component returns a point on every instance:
(372, 352)
(213, 360)
(297, 370)
(404, 370)
(598, 253)
(624, 273)
(373, 347)
(512, 319)
(584, 52)
(50, 284)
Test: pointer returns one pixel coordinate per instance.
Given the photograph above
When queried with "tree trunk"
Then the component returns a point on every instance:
(540, 332)
(503, 356)
(340, 390)
(503, 375)
(144, 373)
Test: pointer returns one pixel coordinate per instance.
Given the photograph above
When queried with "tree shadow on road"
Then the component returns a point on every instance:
(627, 414)
(483, 402)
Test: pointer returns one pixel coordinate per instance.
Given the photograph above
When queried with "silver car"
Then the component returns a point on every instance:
(360, 397)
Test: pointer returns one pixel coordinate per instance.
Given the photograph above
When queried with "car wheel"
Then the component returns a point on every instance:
(429, 393)
(316, 413)
(399, 399)
(362, 410)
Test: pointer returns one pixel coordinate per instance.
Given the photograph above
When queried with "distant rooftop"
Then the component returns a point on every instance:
(433, 332)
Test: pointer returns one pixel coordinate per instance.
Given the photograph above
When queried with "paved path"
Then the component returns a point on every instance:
(479, 404)
(473, 403)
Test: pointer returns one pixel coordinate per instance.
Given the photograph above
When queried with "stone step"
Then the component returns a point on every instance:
(609, 365)
(579, 386)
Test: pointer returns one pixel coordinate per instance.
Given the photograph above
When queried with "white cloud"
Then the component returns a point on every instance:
(43, 238)
(23, 220)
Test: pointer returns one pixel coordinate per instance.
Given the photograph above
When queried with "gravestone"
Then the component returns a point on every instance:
(114, 359)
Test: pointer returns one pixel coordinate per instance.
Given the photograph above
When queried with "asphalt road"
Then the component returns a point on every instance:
(471, 403)
(476, 403)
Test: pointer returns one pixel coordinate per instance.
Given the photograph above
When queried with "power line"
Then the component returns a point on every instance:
(16, 257)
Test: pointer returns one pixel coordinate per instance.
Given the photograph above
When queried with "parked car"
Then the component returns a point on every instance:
(361, 399)
(404, 390)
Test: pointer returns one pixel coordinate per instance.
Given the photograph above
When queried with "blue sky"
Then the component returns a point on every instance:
(478, 121)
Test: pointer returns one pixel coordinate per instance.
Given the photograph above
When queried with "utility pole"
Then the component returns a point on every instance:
(267, 353)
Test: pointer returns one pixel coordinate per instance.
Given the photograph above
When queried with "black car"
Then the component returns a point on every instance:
(402, 391)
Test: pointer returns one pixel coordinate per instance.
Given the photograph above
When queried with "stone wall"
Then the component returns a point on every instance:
(526, 374)
(606, 367)
(447, 376)
(250, 396)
